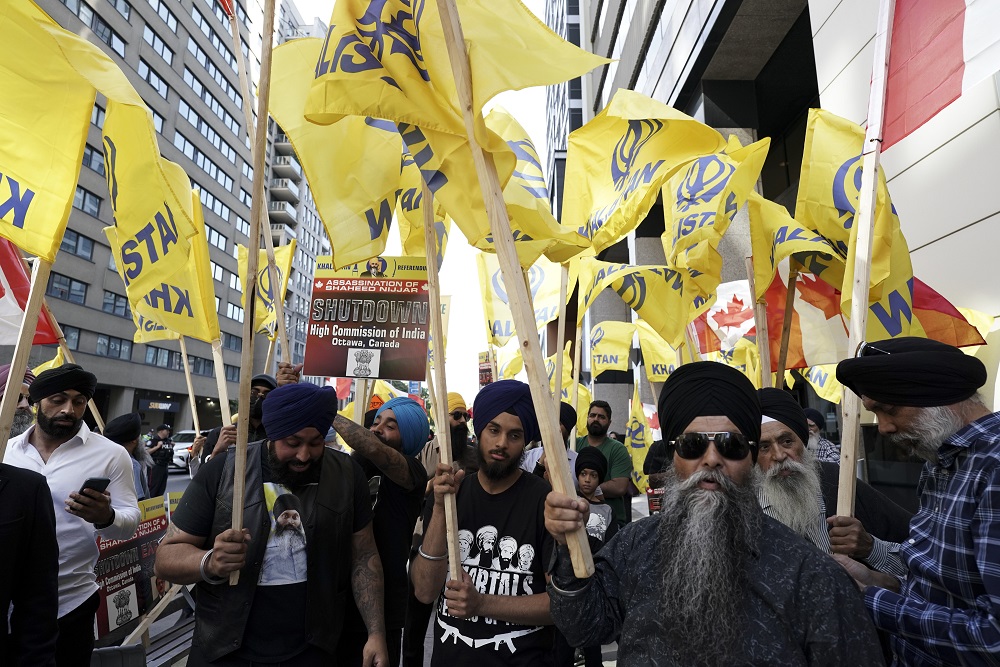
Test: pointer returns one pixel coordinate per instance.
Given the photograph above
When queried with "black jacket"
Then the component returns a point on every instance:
(29, 569)
(877, 513)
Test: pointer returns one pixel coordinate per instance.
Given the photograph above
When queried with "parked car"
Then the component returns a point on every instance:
(182, 449)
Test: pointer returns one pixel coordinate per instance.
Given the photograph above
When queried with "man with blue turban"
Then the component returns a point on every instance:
(498, 612)
(294, 618)
(387, 454)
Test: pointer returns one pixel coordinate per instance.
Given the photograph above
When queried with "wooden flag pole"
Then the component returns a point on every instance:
(786, 325)
(220, 380)
(519, 296)
(135, 636)
(575, 401)
(19, 363)
(865, 225)
(440, 386)
(64, 346)
(269, 364)
(190, 385)
(760, 321)
(360, 400)
(272, 266)
(257, 213)
(689, 340)
(561, 335)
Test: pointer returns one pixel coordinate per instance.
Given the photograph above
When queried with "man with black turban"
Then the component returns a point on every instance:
(924, 394)
(387, 453)
(62, 448)
(496, 614)
(534, 459)
(23, 416)
(711, 580)
(290, 619)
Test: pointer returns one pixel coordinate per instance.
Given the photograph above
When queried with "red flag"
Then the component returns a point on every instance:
(344, 387)
(227, 7)
(939, 50)
(941, 320)
(14, 287)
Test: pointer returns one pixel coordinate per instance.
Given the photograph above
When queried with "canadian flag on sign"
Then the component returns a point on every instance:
(14, 288)
(731, 318)
(939, 50)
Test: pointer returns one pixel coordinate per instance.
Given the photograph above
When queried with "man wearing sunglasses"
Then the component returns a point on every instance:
(711, 580)
(924, 393)
(23, 416)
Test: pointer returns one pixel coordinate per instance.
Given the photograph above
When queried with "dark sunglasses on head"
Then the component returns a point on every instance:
(458, 414)
(733, 446)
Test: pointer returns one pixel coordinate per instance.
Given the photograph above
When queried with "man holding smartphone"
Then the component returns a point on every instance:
(76, 463)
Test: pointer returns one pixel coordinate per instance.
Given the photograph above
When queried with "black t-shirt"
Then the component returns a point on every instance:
(165, 454)
(275, 628)
(504, 548)
(396, 511)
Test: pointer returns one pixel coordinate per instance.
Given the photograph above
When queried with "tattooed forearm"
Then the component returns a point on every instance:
(367, 582)
(366, 443)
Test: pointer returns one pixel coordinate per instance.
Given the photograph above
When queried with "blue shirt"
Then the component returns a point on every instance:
(949, 610)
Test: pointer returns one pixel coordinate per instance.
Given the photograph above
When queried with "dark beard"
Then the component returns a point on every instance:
(459, 439)
(595, 429)
(256, 410)
(23, 419)
(57, 430)
(496, 471)
(706, 542)
(282, 473)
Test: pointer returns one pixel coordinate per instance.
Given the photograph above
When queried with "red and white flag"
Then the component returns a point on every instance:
(939, 50)
(731, 317)
(14, 288)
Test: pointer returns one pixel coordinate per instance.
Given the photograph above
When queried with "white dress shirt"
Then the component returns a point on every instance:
(83, 456)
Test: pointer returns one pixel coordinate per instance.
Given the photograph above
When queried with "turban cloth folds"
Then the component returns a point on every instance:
(591, 457)
(778, 404)
(506, 396)
(708, 389)
(124, 429)
(62, 378)
(412, 422)
(293, 407)
(456, 402)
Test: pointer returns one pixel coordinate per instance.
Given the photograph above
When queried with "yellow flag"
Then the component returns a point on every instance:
(509, 361)
(583, 402)
(829, 192)
(57, 361)
(533, 226)
(616, 163)
(543, 278)
(410, 214)
(264, 321)
(700, 201)
(743, 357)
(775, 236)
(824, 380)
(182, 303)
(638, 440)
(352, 166)
(658, 357)
(610, 345)
(48, 121)
(567, 368)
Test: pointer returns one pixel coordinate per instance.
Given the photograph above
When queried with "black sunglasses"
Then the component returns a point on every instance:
(733, 446)
(458, 414)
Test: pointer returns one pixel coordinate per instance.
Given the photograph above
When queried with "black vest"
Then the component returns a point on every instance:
(222, 610)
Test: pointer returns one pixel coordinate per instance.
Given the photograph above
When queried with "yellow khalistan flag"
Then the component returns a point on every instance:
(823, 379)
(616, 163)
(389, 60)
(181, 304)
(264, 320)
(743, 357)
(509, 361)
(352, 166)
(410, 214)
(567, 368)
(47, 120)
(700, 201)
(533, 226)
(610, 345)
(658, 357)
(638, 440)
(57, 361)
(543, 280)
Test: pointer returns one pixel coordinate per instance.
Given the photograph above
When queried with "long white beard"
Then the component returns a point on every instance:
(925, 436)
(813, 443)
(23, 419)
(795, 499)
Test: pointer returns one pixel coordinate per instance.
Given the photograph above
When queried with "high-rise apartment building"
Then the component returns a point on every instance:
(179, 56)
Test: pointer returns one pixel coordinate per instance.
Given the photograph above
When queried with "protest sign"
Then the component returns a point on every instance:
(369, 320)
(485, 369)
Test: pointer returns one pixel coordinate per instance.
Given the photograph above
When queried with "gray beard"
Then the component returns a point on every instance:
(706, 543)
(23, 419)
(928, 432)
(795, 499)
(813, 443)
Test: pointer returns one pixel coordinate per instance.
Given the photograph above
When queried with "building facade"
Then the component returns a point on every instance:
(178, 54)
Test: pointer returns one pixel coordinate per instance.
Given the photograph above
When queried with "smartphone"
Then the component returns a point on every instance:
(99, 484)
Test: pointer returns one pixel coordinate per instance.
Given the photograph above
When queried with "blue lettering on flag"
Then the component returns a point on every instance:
(16, 202)
(899, 307)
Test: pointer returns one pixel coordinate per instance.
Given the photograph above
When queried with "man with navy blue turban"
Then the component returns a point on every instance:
(498, 612)
(387, 454)
(274, 614)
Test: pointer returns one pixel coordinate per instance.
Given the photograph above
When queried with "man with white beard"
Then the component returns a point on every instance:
(801, 492)
(945, 610)
(711, 580)
(23, 416)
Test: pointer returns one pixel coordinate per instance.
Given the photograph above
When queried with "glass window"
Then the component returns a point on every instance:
(116, 304)
(72, 335)
(93, 159)
(87, 201)
(77, 244)
(66, 288)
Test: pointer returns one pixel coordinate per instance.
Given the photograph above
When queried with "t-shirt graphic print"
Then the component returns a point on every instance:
(285, 555)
